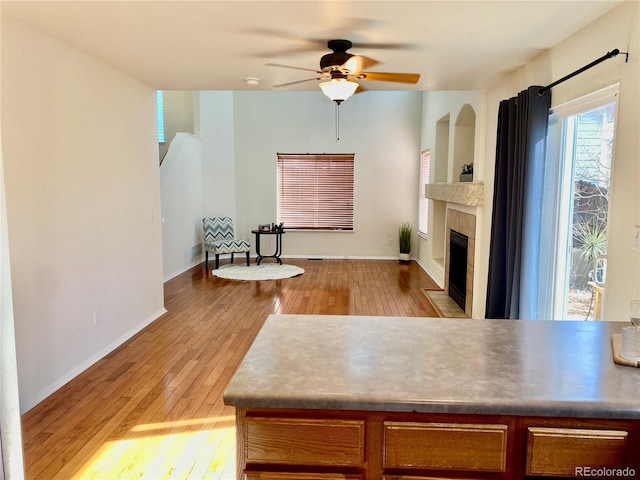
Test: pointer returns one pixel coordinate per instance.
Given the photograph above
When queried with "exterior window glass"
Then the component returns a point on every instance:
(160, 103)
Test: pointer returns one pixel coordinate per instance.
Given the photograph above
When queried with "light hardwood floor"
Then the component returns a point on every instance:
(153, 408)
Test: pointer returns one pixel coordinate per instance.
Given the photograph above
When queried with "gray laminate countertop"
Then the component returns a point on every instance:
(437, 365)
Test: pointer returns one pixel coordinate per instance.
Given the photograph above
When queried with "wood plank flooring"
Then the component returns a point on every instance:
(153, 408)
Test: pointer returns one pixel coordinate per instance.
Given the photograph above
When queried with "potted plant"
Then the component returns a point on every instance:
(404, 241)
(467, 173)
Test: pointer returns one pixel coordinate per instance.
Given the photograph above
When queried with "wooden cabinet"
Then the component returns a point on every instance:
(348, 445)
(412, 477)
(300, 476)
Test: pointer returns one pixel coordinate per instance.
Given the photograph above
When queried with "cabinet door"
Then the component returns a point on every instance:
(296, 441)
(445, 446)
(567, 452)
(299, 476)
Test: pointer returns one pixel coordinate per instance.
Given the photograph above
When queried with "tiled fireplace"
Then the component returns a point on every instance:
(465, 224)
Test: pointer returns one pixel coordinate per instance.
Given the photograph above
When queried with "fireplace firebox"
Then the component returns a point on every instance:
(458, 246)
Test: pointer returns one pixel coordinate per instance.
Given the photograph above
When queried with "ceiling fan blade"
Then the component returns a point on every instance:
(385, 46)
(289, 66)
(357, 63)
(297, 81)
(360, 89)
(313, 41)
(390, 77)
(306, 43)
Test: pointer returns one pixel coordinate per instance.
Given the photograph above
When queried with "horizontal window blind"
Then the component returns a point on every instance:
(423, 203)
(315, 191)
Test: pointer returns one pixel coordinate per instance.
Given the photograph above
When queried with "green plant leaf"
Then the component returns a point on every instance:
(404, 237)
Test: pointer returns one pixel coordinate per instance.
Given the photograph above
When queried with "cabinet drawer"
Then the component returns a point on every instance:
(412, 477)
(559, 451)
(300, 476)
(304, 441)
(447, 446)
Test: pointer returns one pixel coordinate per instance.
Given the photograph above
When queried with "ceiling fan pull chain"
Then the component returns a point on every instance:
(337, 122)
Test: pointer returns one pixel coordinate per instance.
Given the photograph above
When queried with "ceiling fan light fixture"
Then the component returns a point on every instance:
(339, 89)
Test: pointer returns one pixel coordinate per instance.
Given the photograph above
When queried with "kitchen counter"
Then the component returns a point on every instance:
(369, 398)
(437, 365)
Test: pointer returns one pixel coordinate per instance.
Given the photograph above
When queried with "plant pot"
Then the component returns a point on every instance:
(466, 177)
(404, 257)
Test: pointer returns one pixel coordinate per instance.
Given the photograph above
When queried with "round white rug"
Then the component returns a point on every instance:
(267, 271)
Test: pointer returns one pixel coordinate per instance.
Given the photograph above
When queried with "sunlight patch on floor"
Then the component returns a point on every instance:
(184, 454)
(182, 423)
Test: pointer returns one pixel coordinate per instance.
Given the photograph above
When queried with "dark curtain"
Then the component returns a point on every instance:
(518, 182)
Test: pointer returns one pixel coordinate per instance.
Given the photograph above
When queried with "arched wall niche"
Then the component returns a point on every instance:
(441, 154)
(464, 139)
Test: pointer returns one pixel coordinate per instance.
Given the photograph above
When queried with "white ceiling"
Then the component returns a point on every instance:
(215, 45)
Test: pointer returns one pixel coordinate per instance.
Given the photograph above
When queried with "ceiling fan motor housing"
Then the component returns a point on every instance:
(339, 55)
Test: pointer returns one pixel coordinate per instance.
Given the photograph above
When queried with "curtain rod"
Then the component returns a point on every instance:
(606, 56)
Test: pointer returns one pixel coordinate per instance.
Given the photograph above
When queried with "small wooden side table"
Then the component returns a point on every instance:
(278, 252)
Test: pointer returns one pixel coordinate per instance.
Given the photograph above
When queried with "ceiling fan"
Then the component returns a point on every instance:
(340, 70)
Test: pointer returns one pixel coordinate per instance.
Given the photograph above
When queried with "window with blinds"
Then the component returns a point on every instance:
(423, 202)
(315, 191)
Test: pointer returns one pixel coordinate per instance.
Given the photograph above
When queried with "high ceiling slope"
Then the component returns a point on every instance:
(215, 45)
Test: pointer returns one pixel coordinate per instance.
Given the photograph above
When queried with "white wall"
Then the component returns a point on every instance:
(83, 201)
(381, 128)
(181, 199)
(215, 125)
(619, 28)
(11, 461)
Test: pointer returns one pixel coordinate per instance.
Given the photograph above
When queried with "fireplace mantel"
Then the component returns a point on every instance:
(463, 193)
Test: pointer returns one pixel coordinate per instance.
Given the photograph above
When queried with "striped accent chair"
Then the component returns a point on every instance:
(219, 238)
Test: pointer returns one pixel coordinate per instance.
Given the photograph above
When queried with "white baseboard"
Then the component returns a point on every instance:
(28, 404)
(194, 263)
(431, 274)
(340, 257)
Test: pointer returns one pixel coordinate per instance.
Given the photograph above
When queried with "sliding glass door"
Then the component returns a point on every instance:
(581, 141)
